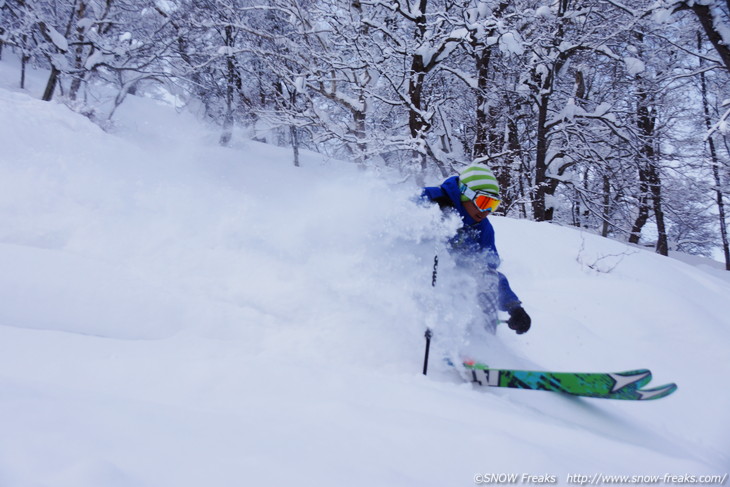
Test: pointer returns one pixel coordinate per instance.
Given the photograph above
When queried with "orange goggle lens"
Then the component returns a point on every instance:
(485, 202)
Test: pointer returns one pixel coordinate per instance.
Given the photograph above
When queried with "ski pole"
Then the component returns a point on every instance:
(429, 334)
(435, 270)
(428, 347)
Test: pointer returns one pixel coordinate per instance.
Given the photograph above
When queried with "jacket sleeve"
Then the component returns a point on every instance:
(508, 300)
(430, 193)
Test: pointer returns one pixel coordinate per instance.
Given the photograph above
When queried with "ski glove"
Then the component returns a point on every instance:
(519, 320)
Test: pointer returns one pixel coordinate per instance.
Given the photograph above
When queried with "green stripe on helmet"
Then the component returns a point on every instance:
(479, 177)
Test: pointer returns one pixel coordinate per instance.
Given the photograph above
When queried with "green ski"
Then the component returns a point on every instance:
(619, 385)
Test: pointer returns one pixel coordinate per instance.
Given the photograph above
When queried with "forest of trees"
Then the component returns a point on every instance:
(603, 114)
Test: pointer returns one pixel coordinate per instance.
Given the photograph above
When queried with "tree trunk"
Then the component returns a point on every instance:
(295, 143)
(539, 210)
(51, 84)
(416, 123)
(230, 89)
(704, 15)
(483, 127)
(646, 123)
(606, 213)
(78, 55)
(720, 205)
(655, 185)
(715, 162)
(359, 119)
(23, 66)
(643, 215)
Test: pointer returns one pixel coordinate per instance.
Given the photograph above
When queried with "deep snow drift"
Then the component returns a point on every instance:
(176, 313)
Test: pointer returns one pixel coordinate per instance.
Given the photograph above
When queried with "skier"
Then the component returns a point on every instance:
(474, 194)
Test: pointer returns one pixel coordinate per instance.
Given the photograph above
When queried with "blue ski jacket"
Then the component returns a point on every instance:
(473, 238)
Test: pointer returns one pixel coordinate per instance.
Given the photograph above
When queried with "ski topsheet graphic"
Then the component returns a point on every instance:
(606, 385)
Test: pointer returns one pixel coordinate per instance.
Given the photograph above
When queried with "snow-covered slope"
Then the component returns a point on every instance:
(175, 313)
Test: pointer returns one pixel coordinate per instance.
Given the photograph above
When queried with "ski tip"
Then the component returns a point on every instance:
(656, 392)
(634, 372)
(634, 378)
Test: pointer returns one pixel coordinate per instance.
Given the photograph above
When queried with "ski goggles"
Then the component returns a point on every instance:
(482, 200)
